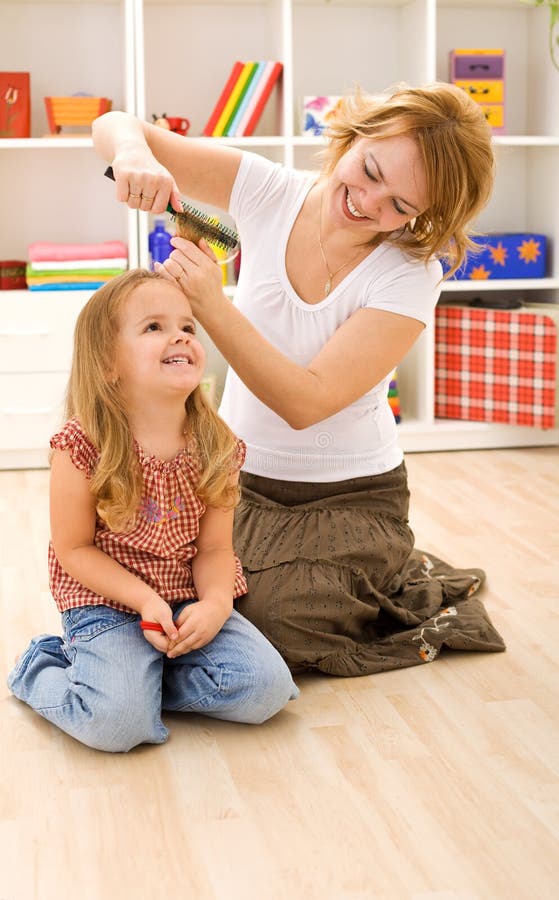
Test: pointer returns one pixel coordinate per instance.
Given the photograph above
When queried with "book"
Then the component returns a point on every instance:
(223, 97)
(15, 105)
(256, 106)
(245, 87)
(233, 128)
(246, 91)
(232, 100)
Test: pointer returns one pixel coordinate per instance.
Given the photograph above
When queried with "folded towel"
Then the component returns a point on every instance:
(73, 274)
(116, 262)
(68, 279)
(44, 250)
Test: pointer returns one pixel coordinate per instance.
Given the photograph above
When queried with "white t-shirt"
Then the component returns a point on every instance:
(362, 438)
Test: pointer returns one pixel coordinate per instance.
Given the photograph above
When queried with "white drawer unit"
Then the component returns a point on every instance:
(36, 333)
(36, 339)
(31, 410)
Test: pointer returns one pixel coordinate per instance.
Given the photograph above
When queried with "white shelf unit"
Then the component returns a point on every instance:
(152, 57)
(52, 189)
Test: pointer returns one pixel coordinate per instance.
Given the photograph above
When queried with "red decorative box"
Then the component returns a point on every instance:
(15, 107)
(12, 275)
(496, 365)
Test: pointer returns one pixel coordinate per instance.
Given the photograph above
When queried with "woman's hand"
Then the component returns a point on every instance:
(196, 271)
(143, 183)
(199, 622)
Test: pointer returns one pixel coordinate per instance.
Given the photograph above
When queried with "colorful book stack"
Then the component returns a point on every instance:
(74, 267)
(243, 99)
(394, 396)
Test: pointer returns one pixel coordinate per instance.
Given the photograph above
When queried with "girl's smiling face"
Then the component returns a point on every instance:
(378, 185)
(157, 348)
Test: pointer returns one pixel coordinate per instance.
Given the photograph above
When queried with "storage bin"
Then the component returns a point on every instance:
(497, 365)
(503, 255)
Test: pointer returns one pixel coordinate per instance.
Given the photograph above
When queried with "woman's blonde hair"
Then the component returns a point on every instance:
(455, 144)
(94, 398)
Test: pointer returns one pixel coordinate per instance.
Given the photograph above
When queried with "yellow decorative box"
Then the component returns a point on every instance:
(74, 111)
(483, 91)
(481, 73)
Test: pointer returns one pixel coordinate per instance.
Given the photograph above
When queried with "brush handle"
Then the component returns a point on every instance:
(110, 174)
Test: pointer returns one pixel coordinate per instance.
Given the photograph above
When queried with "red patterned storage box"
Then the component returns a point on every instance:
(496, 365)
(12, 275)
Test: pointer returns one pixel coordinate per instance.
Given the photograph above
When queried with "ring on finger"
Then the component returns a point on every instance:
(134, 196)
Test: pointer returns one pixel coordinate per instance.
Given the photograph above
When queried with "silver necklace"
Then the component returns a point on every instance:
(331, 275)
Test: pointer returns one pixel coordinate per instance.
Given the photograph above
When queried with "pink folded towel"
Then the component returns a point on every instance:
(44, 250)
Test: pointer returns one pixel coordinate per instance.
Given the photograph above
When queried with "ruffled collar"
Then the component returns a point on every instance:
(184, 458)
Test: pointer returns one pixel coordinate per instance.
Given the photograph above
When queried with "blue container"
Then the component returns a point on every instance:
(502, 255)
(159, 242)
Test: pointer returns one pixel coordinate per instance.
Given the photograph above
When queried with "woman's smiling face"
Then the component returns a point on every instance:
(378, 185)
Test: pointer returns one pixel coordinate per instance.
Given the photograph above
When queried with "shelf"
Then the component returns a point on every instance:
(525, 140)
(501, 284)
(247, 143)
(71, 142)
(326, 46)
(57, 142)
(453, 434)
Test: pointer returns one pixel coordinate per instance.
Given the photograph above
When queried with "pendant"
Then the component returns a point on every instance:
(327, 287)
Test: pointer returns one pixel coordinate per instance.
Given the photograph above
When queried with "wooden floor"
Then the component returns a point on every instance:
(437, 782)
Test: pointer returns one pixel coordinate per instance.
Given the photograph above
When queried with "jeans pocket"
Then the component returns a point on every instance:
(87, 622)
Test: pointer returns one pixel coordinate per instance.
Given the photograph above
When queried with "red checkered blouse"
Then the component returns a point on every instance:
(160, 547)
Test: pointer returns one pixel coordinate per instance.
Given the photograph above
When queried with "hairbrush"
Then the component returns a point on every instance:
(193, 224)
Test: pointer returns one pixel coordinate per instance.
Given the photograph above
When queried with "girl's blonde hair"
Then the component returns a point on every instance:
(455, 144)
(94, 399)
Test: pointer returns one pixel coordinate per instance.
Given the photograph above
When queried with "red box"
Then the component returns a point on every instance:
(12, 275)
(15, 107)
(496, 365)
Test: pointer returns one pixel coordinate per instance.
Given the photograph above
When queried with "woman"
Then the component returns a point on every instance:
(339, 277)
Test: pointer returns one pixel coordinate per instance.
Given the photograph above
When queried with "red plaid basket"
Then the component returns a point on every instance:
(495, 365)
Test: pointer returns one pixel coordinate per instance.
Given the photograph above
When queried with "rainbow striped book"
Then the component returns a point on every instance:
(256, 105)
(252, 84)
(234, 99)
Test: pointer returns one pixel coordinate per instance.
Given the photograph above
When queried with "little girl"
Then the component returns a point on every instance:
(143, 487)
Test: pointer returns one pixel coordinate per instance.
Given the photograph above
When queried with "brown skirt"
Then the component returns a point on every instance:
(335, 584)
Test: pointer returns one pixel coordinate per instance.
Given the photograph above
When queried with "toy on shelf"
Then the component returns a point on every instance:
(178, 124)
(481, 73)
(78, 110)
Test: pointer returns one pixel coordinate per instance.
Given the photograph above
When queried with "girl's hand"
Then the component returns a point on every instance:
(196, 271)
(156, 610)
(199, 623)
(143, 183)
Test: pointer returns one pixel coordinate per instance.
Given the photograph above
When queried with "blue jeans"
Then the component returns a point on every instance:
(106, 686)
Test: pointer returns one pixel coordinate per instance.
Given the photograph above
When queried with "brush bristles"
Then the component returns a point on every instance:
(193, 224)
